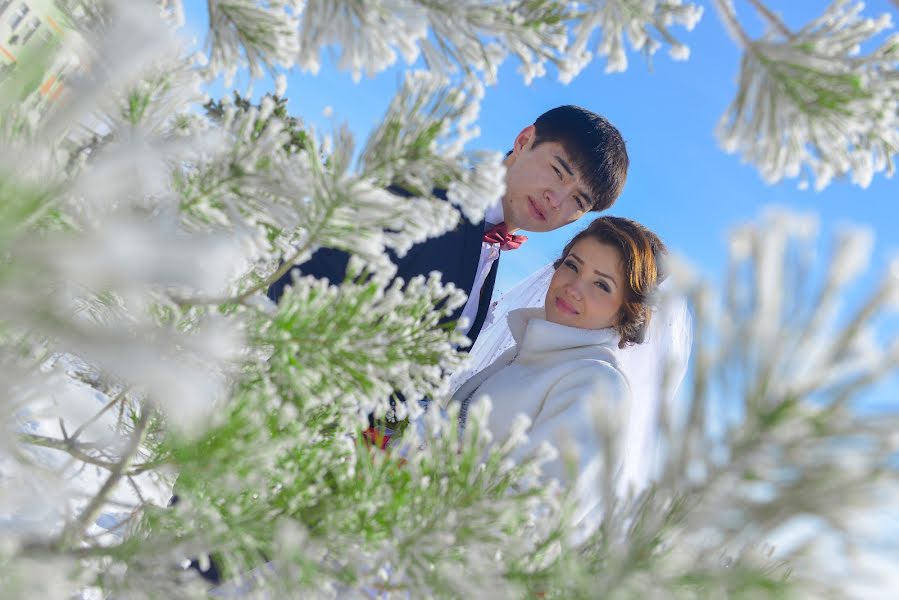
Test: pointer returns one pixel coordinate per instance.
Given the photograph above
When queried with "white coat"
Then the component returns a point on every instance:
(566, 380)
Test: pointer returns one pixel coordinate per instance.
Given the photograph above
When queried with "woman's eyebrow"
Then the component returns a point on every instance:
(606, 275)
(597, 271)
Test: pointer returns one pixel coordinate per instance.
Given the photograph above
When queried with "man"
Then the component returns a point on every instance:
(569, 162)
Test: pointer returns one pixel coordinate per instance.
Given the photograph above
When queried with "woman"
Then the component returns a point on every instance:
(562, 371)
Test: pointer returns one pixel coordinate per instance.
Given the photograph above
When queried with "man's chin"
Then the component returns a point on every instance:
(536, 227)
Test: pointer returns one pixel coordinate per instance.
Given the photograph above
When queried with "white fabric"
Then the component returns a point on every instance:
(654, 369)
(495, 337)
(489, 254)
(566, 380)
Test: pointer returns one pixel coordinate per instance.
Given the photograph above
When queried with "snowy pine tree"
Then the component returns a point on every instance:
(139, 232)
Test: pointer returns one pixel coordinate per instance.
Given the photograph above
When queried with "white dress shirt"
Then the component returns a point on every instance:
(489, 254)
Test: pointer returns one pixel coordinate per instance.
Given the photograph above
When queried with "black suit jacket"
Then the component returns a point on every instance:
(455, 254)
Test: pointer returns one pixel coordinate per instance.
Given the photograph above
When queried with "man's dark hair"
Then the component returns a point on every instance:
(593, 144)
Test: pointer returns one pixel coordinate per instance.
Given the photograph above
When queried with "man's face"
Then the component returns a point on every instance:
(543, 189)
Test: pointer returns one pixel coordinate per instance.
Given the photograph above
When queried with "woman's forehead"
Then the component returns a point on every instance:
(597, 254)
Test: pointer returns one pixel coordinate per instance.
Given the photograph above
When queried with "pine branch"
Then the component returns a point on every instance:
(771, 18)
(732, 24)
(73, 530)
(807, 101)
(111, 404)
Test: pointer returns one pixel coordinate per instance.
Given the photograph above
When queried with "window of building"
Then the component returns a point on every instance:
(33, 26)
(46, 36)
(6, 70)
(17, 16)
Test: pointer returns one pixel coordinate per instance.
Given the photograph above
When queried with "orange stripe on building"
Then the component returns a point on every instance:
(7, 54)
(54, 25)
(55, 95)
(45, 87)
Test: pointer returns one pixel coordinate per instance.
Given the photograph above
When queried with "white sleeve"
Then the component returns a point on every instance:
(474, 382)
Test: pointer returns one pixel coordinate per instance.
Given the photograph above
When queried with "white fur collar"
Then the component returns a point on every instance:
(534, 334)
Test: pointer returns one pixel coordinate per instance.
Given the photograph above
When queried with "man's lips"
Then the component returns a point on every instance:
(564, 306)
(535, 210)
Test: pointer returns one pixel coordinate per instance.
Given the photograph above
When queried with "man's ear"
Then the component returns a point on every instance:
(525, 139)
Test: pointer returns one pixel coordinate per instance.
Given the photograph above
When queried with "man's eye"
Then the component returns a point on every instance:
(558, 172)
(580, 204)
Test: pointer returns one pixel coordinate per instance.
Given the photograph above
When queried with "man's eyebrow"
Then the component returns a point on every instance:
(598, 272)
(585, 198)
(565, 165)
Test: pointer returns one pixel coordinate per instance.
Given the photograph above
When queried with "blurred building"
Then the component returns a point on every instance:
(31, 29)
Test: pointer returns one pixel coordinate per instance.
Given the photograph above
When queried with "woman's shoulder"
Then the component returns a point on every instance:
(587, 385)
(605, 369)
(600, 374)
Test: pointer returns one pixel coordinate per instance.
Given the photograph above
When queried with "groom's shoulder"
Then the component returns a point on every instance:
(405, 192)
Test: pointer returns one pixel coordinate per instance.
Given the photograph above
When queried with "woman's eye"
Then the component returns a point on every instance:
(570, 264)
(603, 286)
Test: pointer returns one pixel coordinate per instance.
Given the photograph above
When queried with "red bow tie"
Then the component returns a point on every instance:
(499, 234)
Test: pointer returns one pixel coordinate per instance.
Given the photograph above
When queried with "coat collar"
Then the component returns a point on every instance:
(534, 334)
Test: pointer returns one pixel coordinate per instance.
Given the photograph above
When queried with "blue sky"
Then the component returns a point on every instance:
(680, 184)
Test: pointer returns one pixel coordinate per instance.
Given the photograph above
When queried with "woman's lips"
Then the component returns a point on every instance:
(535, 210)
(565, 307)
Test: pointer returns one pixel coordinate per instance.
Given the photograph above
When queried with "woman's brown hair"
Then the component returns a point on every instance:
(641, 257)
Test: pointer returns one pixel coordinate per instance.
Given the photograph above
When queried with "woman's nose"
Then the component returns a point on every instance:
(573, 291)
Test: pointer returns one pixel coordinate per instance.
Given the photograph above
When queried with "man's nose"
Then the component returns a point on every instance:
(556, 194)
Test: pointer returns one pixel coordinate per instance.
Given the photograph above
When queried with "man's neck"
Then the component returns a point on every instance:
(511, 227)
(495, 213)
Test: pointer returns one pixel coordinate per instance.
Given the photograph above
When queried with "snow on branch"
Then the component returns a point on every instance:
(817, 103)
(473, 36)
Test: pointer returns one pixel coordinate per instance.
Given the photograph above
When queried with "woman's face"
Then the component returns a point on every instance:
(586, 291)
